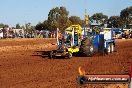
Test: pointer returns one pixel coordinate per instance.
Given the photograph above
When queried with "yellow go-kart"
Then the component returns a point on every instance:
(63, 51)
(70, 44)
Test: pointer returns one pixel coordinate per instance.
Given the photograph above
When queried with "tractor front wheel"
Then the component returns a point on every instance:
(109, 49)
(112, 47)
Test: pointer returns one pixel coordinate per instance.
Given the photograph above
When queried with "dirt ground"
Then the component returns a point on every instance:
(23, 66)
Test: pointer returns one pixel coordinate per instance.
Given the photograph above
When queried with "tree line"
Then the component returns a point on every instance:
(59, 18)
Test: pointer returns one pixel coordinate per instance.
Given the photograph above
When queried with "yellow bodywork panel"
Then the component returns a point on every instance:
(73, 50)
(77, 31)
(65, 53)
(77, 28)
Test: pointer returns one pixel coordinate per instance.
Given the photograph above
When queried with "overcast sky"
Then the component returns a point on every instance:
(34, 11)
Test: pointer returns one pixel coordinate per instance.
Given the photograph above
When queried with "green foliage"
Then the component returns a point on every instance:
(3, 25)
(57, 18)
(115, 21)
(126, 15)
(39, 26)
(123, 20)
(44, 25)
(29, 28)
(18, 26)
(99, 18)
(76, 20)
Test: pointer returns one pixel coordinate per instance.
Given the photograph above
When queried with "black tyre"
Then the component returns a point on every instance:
(108, 50)
(69, 55)
(87, 48)
(51, 54)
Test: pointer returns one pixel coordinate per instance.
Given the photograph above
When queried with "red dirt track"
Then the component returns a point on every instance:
(21, 67)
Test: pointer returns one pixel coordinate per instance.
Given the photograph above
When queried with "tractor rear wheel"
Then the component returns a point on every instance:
(87, 47)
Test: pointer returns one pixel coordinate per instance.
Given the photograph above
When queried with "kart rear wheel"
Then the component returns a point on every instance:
(69, 55)
(51, 55)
